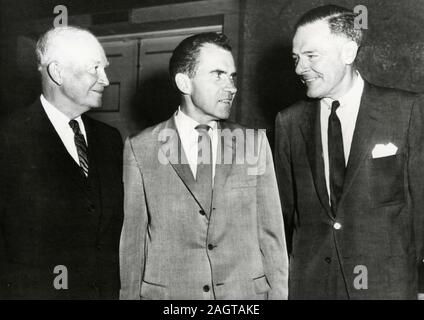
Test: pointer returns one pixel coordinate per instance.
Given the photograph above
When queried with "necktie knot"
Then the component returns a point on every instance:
(334, 106)
(74, 126)
(202, 128)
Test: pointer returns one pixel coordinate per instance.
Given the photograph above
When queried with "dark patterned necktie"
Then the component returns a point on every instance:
(81, 146)
(335, 156)
(204, 166)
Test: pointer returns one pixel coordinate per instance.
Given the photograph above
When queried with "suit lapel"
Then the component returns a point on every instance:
(57, 152)
(364, 129)
(172, 148)
(311, 131)
(226, 146)
(97, 170)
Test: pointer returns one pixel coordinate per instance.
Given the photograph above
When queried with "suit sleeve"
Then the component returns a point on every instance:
(108, 275)
(271, 225)
(284, 177)
(416, 184)
(134, 230)
(3, 189)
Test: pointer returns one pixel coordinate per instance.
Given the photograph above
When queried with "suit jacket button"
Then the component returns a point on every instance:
(210, 246)
(202, 212)
(206, 288)
(328, 260)
(337, 226)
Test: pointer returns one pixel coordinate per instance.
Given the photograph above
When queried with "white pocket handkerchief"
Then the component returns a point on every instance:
(384, 150)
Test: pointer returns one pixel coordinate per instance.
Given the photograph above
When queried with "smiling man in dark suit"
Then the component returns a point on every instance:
(350, 167)
(61, 194)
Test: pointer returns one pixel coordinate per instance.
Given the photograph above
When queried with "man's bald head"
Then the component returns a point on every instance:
(72, 63)
(64, 44)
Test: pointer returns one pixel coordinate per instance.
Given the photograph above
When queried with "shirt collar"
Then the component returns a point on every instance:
(186, 123)
(58, 118)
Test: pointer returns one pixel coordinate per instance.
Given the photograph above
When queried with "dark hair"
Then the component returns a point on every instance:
(184, 58)
(341, 21)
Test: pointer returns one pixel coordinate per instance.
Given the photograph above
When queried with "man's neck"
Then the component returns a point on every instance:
(192, 112)
(346, 84)
(69, 109)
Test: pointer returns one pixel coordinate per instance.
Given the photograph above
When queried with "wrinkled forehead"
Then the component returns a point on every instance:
(315, 35)
(79, 49)
(213, 55)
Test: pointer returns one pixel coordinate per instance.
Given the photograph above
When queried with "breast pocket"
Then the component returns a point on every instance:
(387, 180)
(242, 181)
(152, 291)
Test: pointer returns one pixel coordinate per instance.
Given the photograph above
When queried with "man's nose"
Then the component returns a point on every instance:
(301, 66)
(231, 87)
(103, 78)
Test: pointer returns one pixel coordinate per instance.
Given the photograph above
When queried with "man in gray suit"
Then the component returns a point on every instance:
(350, 166)
(202, 212)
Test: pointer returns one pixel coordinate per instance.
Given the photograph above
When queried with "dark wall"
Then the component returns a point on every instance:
(392, 55)
(19, 82)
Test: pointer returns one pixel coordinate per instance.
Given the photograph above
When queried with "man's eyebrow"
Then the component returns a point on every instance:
(99, 62)
(234, 74)
(218, 71)
(308, 51)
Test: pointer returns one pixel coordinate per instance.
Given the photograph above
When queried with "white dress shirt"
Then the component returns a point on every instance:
(347, 113)
(61, 124)
(189, 139)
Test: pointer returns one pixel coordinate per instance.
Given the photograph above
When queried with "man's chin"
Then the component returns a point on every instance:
(226, 114)
(96, 105)
(312, 94)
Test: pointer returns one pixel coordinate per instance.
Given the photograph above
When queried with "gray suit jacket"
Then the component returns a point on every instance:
(380, 214)
(173, 248)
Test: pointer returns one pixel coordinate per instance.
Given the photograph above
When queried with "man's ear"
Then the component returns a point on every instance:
(54, 72)
(183, 83)
(349, 52)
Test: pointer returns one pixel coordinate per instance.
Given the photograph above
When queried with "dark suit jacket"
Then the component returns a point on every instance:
(51, 214)
(381, 209)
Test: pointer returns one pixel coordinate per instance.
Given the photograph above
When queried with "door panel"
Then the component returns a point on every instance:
(141, 92)
(156, 97)
(118, 97)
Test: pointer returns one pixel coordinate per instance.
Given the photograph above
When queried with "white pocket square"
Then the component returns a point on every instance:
(384, 150)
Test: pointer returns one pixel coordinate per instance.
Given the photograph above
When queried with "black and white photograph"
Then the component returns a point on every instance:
(212, 155)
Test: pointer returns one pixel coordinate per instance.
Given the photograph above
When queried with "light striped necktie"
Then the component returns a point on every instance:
(81, 146)
(204, 166)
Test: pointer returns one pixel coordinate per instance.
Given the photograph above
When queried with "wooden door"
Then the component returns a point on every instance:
(141, 92)
(118, 97)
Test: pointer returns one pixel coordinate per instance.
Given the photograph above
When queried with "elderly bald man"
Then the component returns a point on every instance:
(60, 180)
